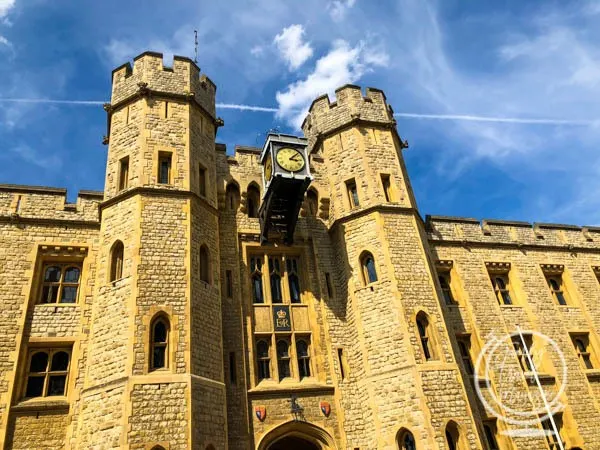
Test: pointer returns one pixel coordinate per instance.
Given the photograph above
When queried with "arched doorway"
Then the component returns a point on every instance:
(293, 443)
(297, 435)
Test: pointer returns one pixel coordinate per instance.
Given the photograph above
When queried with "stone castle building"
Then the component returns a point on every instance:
(151, 316)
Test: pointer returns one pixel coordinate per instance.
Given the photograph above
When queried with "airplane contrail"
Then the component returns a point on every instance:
(406, 115)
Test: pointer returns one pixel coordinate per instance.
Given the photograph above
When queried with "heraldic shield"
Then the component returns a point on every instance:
(261, 412)
(325, 408)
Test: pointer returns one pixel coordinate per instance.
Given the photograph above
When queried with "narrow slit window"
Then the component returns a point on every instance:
(164, 168)
(581, 342)
(204, 264)
(557, 290)
(116, 261)
(312, 200)
(229, 283)
(501, 288)
(445, 280)
(523, 351)
(232, 368)
(452, 436)
(253, 201)
(202, 181)
(424, 336)
(464, 346)
(328, 285)
(386, 183)
(491, 431)
(352, 193)
(368, 268)
(123, 173)
(342, 362)
(554, 440)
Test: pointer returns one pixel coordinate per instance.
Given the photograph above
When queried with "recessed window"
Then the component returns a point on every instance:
(48, 372)
(159, 343)
(406, 441)
(232, 197)
(256, 279)
(229, 283)
(123, 173)
(204, 264)
(352, 193)
(60, 283)
(252, 201)
(464, 346)
(425, 336)
(312, 202)
(445, 280)
(164, 167)
(452, 436)
(581, 342)
(232, 368)
(275, 280)
(202, 181)
(116, 261)
(555, 442)
(501, 285)
(283, 359)
(555, 283)
(369, 272)
(490, 430)
(343, 363)
(523, 351)
(386, 184)
(293, 279)
(263, 360)
(328, 285)
(302, 352)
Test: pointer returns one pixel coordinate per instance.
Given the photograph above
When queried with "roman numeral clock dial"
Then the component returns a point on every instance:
(290, 159)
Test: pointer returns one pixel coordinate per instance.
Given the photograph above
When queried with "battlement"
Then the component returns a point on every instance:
(350, 105)
(47, 203)
(504, 232)
(150, 75)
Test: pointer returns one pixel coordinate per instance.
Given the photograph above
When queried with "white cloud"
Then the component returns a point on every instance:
(338, 9)
(5, 7)
(343, 64)
(4, 41)
(292, 47)
(29, 155)
(257, 50)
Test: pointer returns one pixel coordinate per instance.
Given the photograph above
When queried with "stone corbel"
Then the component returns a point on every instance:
(497, 267)
(552, 269)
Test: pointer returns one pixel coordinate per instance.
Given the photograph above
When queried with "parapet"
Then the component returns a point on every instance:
(149, 75)
(20, 202)
(472, 232)
(350, 106)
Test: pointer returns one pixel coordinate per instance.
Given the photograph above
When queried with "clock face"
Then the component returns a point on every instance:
(290, 159)
(268, 168)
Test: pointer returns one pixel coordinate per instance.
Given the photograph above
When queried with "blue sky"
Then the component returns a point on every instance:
(446, 67)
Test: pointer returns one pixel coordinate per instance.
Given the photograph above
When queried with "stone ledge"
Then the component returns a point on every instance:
(35, 405)
(287, 390)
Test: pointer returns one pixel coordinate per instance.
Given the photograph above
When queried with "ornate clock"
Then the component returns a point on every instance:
(286, 177)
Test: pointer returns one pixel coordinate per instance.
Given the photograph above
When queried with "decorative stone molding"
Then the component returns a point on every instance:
(553, 269)
(62, 250)
(444, 265)
(498, 267)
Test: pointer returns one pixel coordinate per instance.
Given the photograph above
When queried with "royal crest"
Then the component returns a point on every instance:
(325, 408)
(261, 412)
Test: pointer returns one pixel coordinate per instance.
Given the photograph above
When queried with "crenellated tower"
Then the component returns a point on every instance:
(387, 314)
(156, 329)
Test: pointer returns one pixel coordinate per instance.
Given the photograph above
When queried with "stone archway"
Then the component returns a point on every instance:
(297, 436)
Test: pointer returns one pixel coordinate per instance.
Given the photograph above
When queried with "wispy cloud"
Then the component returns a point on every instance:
(291, 46)
(342, 64)
(338, 9)
(5, 7)
(47, 100)
(26, 153)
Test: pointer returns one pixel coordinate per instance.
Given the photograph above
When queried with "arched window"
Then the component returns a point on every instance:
(204, 264)
(252, 201)
(452, 436)
(369, 272)
(158, 447)
(425, 336)
(116, 261)
(275, 280)
(312, 202)
(283, 359)
(263, 360)
(303, 358)
(406, 440)
(293, 279)
(159, 343)
(257, 281)
(60, 283)
(232, 197)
